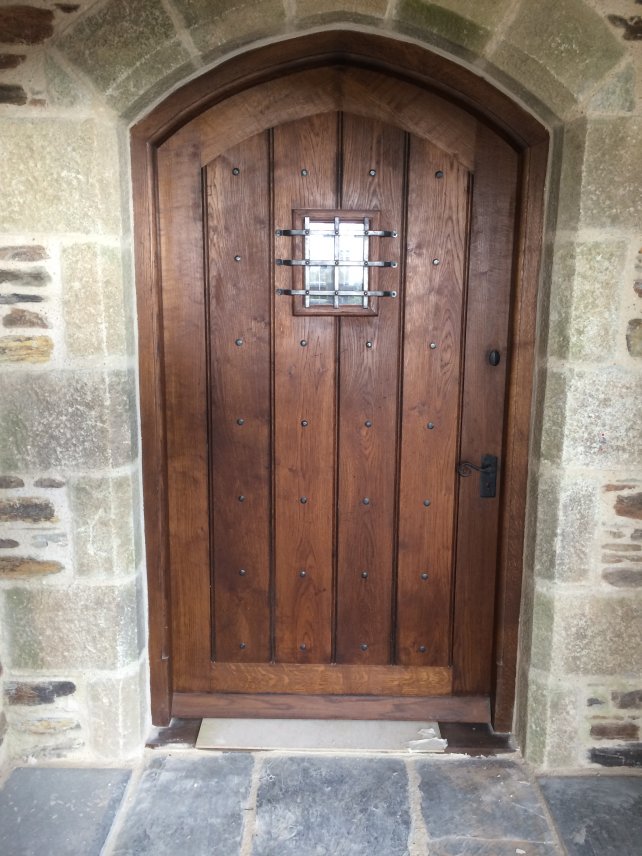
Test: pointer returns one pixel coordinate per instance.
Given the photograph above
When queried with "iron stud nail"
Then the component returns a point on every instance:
(238, 343)
(436, 262)
(242, 572)
(241, 498)
(304, 172)
(364, 575)
(426, 502)
(237, 258)
(372, 172)
(303, 500)
(368, 344)
(439, 174)
(304, 423)
(424, 576)
(240, 421)
(302, 647)
(363, 646)
(365, 500)
(302, 573)
(368, 423)
(303, 343)
(422, 649)
(430, 425)
(236, 171)
(433, 345)
(242, 645)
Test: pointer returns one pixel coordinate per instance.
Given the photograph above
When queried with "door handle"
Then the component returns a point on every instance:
(487, 475)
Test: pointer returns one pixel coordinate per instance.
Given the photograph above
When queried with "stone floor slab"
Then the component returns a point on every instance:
(597, 815)
(481, 799)
(188, 805)
(340, 806)
(473, 847)
(59, 811)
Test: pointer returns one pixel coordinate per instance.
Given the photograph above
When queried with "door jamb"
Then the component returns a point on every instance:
(430, 71)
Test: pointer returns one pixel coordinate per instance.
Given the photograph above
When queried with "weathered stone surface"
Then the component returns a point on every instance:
(49, 482)
(26, 509)
(629, 755)
(35, 693)
(628, 700)
(12, 93)
(310, 12)
(559, 50)
(599, 430)
(103, 514)
(62, 90)
(615, 730)
(70, 167)
(24, 318)
(117, 711)
(24, 253)
(3, 726)
(11, 60)
(230, 24)
(572, 151)
(46, 726)
(634, 337)
(8, 482)
(24, 278)
(101, 631)
(93, 300)
(49, 538)
(8, 543)
(67, 419)
(623, 577)
(9, 299)
(457, 23)
(554, 416)
(612, 195)
(617, 95)
(25, 349)
(567, 514)
(596, 634)
(26, 568)
(543, 626)
(632, 26)
(629, 506)
(25, 25)
(124, 48)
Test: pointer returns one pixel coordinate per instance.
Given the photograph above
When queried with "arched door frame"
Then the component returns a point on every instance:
(433, 73)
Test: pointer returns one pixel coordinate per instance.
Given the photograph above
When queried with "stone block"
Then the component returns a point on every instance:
(634, 337)
(603, 418)
(59, 175)
(31, 693)
(78, 627)
(24, 278)
(554, 416)
(631, 700)
(24, 318)
(597, 634)
(311, 13)
(24, 253)
(61, 420)
(460, 23)
(26, 509)
(543, 630)
(571, 153)
(26, 568)
(629, 755)
(9, 482)
(623, 577)
(21, 24)
(49, 482)
(615, 730)
(629, 506)
(8, 543)
(612, 170)
(25, 349)
(93, 300)
(559, 50)
(62, 89)
(213, 25)
(103, 521)
(116, 712)
(124, 48)
(617, 95)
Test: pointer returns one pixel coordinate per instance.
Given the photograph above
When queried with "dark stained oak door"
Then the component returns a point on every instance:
(322, 542)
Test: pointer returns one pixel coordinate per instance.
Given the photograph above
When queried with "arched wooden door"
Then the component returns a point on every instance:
(336, 264)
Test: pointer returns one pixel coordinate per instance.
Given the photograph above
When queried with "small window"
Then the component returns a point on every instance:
(335, 272)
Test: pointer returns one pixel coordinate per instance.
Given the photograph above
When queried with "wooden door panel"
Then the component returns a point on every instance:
(239, 405)
(368, 383)
(305, 176)
(434, 311)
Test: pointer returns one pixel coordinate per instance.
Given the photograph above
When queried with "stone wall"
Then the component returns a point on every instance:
(72, 77)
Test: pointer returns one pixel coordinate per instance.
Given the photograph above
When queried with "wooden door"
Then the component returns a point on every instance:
(326, 555)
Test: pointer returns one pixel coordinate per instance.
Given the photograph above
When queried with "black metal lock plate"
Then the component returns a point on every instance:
(488, 476)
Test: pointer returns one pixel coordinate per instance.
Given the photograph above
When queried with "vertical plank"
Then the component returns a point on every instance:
(491, 259)
(304, 389)
(434, 295)
(238, 206)
(184, 336)
(368, 380)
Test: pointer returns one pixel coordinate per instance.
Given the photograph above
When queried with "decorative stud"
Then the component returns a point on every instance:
(303, 500)
(368, 344)
(422, 649)
(303, 343)
(426, 502)
(436, 262)
(237, 258)
(433, 345)
(365, 500)
(240, 421)
(363, 646)
(241, 498)
(368, 423)
(242, 572)
(424, 576)
(430, 425)
(303, 647)
(303, 573)
(236, 171)
(304, 423)
(364, 575)
(304, 172)
(238, 343)
(439, 174)
(242, 645)
(372, 172)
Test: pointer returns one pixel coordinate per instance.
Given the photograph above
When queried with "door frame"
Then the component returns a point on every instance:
(436, 74)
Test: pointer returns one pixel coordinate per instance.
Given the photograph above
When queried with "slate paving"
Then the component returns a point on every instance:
(189, 803)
